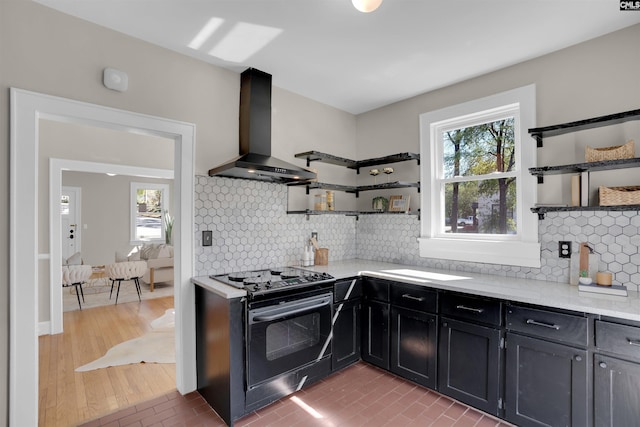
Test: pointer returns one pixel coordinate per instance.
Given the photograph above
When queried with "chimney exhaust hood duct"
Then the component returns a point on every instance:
(255, 161)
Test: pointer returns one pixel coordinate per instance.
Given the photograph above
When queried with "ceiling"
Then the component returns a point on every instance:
(328, 51)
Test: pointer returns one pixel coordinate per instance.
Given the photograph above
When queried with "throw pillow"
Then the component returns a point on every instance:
(144, 251)
(75, 259)
(164, 251)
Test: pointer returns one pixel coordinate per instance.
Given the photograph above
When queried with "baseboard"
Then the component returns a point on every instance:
(44, 328)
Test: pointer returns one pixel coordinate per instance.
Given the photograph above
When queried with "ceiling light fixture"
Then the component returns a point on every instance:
(366, 6)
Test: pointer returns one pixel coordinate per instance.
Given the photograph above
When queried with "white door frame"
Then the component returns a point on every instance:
(26, 110)
(77, 215)
(56, 166)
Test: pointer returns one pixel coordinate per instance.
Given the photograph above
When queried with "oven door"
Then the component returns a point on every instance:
(288, 335)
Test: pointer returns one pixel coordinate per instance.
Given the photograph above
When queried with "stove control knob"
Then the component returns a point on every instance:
(268, 285)
(256, 287)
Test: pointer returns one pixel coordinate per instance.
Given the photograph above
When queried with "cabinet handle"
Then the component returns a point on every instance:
(633, 342)
(408, 296)
(602, 365)
(578, 358)
(475, 310)
(546, 325)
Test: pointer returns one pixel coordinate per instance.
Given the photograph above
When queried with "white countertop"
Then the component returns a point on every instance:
(550, 294)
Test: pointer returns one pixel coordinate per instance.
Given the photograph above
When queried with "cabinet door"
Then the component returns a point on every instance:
(616, 388)
(546, 383)
(346, 334)
(375, 333)
(469, 364)
(413, 345)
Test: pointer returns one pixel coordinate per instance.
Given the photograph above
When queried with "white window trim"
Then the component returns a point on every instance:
(133, 213)
(522, 249)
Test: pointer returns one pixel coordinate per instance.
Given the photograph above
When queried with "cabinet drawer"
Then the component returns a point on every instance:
(376, 289)
(555, 326)
(465, 307)
(414, 297)
(616, 338)
(347, 289)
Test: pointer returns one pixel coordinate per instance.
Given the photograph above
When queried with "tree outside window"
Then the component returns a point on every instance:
(149, 203)
(474, 160)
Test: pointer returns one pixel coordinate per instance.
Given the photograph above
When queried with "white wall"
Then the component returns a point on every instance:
(49, 52)
(591, 79)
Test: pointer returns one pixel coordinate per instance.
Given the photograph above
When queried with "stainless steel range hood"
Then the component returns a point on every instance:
(255, 161)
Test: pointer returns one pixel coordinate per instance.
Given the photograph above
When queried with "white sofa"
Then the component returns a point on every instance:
(159, 259)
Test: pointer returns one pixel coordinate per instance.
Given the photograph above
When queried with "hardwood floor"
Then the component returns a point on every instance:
(66, 397)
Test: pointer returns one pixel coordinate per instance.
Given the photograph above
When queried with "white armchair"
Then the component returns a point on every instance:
(125, 271)
(76, 275)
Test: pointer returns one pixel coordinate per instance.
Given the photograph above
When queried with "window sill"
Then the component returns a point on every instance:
(523, 254)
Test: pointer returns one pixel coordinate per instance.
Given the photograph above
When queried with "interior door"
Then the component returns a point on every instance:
(70, 217)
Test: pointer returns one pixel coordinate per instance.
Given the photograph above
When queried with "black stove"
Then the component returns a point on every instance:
(266, 281)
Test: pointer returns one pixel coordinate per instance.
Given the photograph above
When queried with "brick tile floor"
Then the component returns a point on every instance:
(360, 395)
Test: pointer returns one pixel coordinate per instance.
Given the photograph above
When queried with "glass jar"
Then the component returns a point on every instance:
(320, 202)
(330, 204)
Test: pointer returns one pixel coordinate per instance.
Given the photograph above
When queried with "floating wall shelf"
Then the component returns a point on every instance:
(317, 156)
(583, 168)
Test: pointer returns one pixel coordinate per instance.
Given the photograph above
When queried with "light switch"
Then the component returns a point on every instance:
(207, 238)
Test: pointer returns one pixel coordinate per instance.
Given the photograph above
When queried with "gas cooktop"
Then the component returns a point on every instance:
(272, 279)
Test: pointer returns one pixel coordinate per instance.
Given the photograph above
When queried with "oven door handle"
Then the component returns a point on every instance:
(291, 309)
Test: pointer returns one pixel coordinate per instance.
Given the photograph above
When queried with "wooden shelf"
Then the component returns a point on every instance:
(596, 122)
(325, 186)
(388, 185)
(585, 167)
(356, 190)
(394, 158)
(542, 210)
(309, 212)
(317, 156)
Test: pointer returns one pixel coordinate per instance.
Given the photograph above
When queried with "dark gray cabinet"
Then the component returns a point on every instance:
(470, 364)
(413, 345)
(414, 331)
(346, 326)
(469, 350)
(616, 389)
(616, 382)
(375, 333)
(546, 383)
(375, 321)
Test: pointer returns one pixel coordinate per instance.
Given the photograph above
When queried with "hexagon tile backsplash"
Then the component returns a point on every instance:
(251, 230)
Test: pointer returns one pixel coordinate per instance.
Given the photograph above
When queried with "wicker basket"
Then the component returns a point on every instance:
(616, 196)
(626, 151)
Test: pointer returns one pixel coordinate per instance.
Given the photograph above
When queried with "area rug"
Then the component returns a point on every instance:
(157, 346)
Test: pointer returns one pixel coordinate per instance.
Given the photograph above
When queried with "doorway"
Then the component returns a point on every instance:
(26, 110)
(71, 214)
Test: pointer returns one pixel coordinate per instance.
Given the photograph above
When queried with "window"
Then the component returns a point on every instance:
(479, 190)
(148, 205)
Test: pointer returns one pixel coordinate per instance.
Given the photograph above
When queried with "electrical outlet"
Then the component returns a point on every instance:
(314, 235)
(207, 238)
(564, 249)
